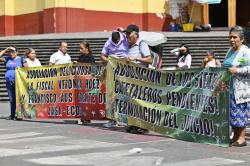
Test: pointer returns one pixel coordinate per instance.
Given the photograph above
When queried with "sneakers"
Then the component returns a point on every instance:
(110, 124)
(10, 118)
(15, 118)
(86, 121)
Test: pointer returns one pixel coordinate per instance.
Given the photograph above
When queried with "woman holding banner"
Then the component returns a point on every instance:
(238, 62)
(117, 45)
(12, 61)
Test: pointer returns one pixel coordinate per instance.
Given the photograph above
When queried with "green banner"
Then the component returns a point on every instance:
(186, 104)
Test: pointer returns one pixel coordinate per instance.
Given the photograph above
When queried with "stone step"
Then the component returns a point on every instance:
(45, 47)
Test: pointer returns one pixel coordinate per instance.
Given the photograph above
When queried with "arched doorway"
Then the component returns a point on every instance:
(218, 14)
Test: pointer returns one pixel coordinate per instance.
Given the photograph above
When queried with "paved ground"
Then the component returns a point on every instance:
(26, 143)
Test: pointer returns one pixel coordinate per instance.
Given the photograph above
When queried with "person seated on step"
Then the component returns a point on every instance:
(202, 28)
(210, 60)
(174, 27)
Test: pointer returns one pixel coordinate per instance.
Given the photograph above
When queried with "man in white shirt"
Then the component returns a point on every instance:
(61, 56)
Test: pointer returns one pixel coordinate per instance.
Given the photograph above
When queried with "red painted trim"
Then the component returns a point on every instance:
(29, 23)
(76, 20)
(6, 25)
(48, 21)
(61, 20)
(103, 20)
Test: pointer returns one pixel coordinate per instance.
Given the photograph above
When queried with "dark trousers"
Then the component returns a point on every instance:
(12, 96)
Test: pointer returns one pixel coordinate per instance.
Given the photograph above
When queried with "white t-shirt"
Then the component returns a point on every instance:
(211, 63)
(185, 61)
(34, 63)
(60, 58)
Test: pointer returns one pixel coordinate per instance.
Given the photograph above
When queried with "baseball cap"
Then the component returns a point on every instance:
(131, 28)
(11, 48)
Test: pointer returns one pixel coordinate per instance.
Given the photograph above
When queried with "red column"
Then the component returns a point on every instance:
(7, 25)
(60, 20)
(55, 20)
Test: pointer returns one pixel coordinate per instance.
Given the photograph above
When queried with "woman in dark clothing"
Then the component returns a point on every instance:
(86, 53)
(86, 57)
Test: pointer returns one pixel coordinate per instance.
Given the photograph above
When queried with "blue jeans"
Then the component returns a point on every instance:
(12, 96)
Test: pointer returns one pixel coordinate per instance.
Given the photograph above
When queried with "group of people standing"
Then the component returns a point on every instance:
(126, 44)
(62, 57)
(12, 61)
(10, 58)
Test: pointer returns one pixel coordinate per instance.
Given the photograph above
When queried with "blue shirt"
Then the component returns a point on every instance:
(11, 65)
(237, 58)
(230, 58)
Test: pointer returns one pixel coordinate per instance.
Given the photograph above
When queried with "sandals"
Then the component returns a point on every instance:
(237, 144)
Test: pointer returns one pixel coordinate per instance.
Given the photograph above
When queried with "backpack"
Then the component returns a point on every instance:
(156, 54)
(154, 41)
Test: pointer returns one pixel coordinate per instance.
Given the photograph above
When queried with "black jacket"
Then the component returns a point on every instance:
(86, 59)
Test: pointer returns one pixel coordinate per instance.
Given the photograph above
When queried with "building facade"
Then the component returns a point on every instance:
(228, 13)
(20, 17)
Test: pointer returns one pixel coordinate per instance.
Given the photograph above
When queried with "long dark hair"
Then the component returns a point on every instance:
(181, 54)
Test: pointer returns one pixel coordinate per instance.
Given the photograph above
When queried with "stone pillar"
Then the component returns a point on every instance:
(231, 13)
(54, 17)
(205, 14)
